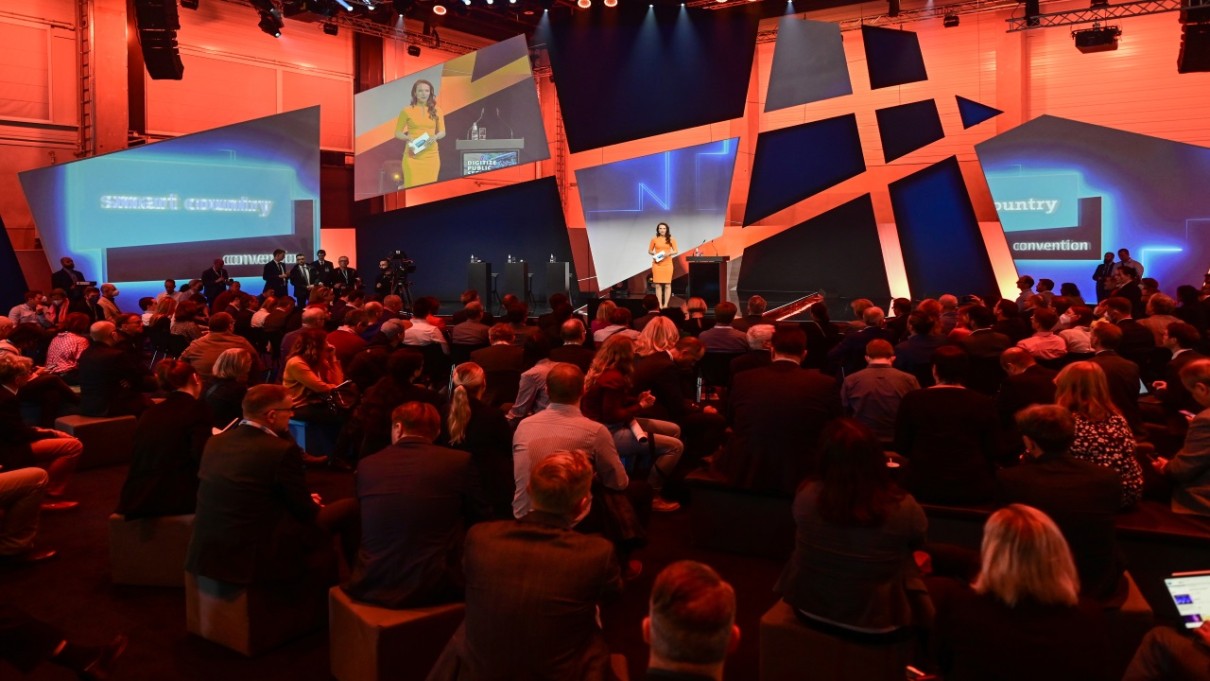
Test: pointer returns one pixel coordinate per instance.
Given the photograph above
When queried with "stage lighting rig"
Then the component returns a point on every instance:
(268, 25)
(1097, 39)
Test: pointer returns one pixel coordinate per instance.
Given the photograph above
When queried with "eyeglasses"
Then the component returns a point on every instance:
(288, 407)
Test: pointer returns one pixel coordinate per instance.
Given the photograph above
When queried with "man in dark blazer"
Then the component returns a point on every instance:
(112, 381)
(1138, 343)
(915, 355)
(417, 499)
(777, 414)
(255, 520)
(984, 347)
(1026, 382)
(755, 314)
(572, 350)
(1080, 496)
(1190, 467)
(276, 275)
(651, 307)
(69, 279)
(303, 279)
(322, 268)
(533, 587)
(849, 355)
(501, 355)
(214, 281)
(760, 344)
(1121, 373)
(89, 304)
(1179, 338)
(344, 278)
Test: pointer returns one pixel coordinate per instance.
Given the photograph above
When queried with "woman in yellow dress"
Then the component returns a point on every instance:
(417, 119)
(661, 249)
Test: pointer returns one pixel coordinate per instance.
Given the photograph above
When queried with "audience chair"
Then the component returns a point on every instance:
(372, 643)
(149, 551)
(791, 651)
(249, 620)
(107, 440)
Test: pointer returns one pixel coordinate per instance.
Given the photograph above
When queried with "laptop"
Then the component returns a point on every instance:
(1190, 591)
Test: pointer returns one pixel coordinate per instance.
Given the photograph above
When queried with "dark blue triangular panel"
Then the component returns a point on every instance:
(973, 113)
(893, 57)
(794, 163)
(907, 127)
(808, 64)
(12, 281)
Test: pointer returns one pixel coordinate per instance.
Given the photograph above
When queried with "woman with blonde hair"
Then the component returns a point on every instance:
(609, 399)
(226, 391)
(604, 312)
(660, 335)
(1102, 435)
(482, 430)
(1022, 618)
(695, 317)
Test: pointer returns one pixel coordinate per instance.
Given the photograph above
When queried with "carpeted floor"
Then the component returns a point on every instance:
(73, 592)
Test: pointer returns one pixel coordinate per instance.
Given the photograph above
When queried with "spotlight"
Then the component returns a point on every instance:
(439, 10)
(1032, 9)
(1097, 39)
(720, 1)
(490, 2)
(331, 29)
(611, 3)
(268, 25)
(512, 2)
(345, 4)
(950, 20)
(583, 4)
(466, 2)
(892, 8)
(1098, 4)
(413, 50)
(189, 4)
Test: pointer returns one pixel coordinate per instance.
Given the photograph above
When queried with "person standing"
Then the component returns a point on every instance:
(303, 278)
(69, 279)
(214, 281)
(275, 275)
(1103, 276)
(662, 249)
(421, 119)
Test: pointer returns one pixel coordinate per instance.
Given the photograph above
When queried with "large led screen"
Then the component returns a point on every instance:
(473, 114)
(166, 210)
(624, 201)
(1067, 192)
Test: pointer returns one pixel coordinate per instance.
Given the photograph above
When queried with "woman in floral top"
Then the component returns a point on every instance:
(1102, 435)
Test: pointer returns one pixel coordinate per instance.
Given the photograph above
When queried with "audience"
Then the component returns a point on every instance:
(532, 396)
(372, 416)
(760, 345)
(63, 355)
(1102, 436)
(472, 331)
(168, 444)
(203, 352)
(1190, 467)
(476, 427)
(572, 351)
(690, 625)
(1044, 344)
(872, 395)
(1121, 374)
(228, 385)
(112, 382)
(25, 446)
(722, 337)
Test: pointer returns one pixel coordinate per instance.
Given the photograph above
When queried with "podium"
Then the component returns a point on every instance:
(515, 279)
(558, 278)
(479, 278)
(480, 156)
(708, 278)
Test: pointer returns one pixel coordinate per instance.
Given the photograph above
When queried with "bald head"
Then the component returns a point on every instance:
(565, 383)
(1016, 360)
(102, 332)
(572, 332)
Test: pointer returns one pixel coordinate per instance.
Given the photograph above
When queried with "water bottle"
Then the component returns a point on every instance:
(475, 130)
(472, 257)
(510, 258)
(552, 257)
(697, 393)
(482, 133)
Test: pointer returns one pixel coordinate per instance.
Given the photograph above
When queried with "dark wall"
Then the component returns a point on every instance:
(524, 220)
(12, 281)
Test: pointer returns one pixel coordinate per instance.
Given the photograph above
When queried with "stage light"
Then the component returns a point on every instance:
(268, 25)
(466, 2)
(892, 8)
(439, 10)
(490, 2)
(345, 4)
(1097, 39)
(583, 4)
(1032, 9)
(1099, 4)
(331, 29)
(950, 20)
(611, 3)
(413, 50)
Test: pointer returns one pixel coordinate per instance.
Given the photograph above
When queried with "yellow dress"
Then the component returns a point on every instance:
(423, 167)
(661, 272)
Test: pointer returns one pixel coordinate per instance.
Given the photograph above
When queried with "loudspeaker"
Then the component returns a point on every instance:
(1195, 49)
(1193, 12)
(158, 21)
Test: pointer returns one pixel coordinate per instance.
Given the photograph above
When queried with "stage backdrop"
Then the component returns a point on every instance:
(524, 220)
(167, 210)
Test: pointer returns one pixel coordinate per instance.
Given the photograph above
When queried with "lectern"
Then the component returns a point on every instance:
(558, 278)
(479, 278)
(708, 278)
(515, 279)
(480, 156)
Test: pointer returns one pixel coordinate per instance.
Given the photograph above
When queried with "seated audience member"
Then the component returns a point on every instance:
(609, 399)
(168, 444)
(651, 310)
(1025, 382)
(915, 355)
(690, 625)
(1009, 321)
(532, 395)
(852, 574)
(23, 446)
(372, 416)
(502, 354)
(1166, 654)
(984, 347)
(1102, 436)
(777, 414)
(32, 311)
(1121, 374)
(228, 386)
(822, 336)
(89, 305)
(1023, 617)
(872, 395)
(951, 435)
(538, 571)
(1137, 340)
(601, 320)
(476, 427)
(1189, 308)
(1071, 292)
(472, 331)
(312, 372)
(111, 381)
(572, 351)
(417, 499)
(63, 355)
(256, 522)
(1080, 496)
(466, 298)
(185, 320)
(619, 324)
(755, 314)
(312, 317)
(203, 352)
(760, 345)
(26, 642)
(1159, 315)
(695, 320)
(859, 307)
(1180, 339)
(948, 318)
(562, 427)
(423, 331)
(896, 324)
(849, 356)
(6, 330)
(346, 339)
(722, 337)
(1076, 333)
(21, 493)
(1044, 344)
(370, 364)
(130, 335)
(657, 371)
(516, 315)
(1190, 468)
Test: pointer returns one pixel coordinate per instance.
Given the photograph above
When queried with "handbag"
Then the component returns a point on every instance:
(342, 399)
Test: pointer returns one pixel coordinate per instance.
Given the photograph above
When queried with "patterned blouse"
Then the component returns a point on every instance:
(64, 352)
(1110, 444)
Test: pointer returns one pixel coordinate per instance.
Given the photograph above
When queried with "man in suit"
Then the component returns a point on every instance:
(1137, 340)
(89, 304)
(691, 623)
(872, 395)
(501, 355)
(111, 380)
(256, 522)
(984, 347)
(755, 314)
(1080, 496)
(536, 570)
(572, 350)
(760, 345)
(344, 278)
(214, 281)
(69, 279)
(1190, 468)
(1179, 338)
(651, 310)
(1121, 374)
(915, 355)
(322, 268)
(417, 499)
(202, 352)
(722, 337)
(24, 446)
(777, 414)
(1026, 383)
(275, 273)
(849, 355)
(303, 278)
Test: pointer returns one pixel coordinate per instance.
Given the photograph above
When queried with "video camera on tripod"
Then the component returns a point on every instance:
(399, 266)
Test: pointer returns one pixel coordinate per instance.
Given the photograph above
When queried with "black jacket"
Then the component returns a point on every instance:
(168, 444)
